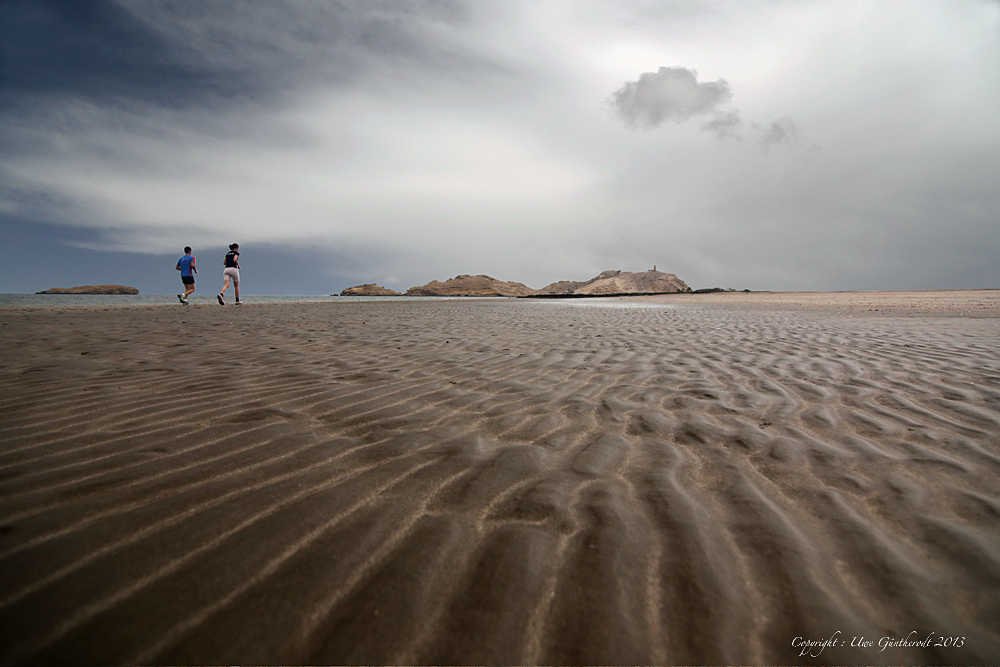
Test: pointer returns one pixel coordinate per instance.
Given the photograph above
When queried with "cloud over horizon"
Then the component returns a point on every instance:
(420, 140)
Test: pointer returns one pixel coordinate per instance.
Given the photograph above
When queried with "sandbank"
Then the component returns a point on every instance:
(683, 479)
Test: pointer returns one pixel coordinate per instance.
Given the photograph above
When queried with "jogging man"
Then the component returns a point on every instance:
(187, 268)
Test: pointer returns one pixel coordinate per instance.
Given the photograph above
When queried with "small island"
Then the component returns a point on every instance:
(369, 289)
(608, 283)
(466, 285)
(617, 283)
(92, 289)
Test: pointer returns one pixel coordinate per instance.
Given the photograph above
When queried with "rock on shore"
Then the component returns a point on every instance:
(92, 289)
(369, 289)
(466, 285)
(619, 282)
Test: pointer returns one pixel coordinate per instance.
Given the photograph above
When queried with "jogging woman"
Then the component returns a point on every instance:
(231, 273)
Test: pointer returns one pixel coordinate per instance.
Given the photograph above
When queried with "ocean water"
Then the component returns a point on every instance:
(599, 302)
(70, 300)
(105, 300)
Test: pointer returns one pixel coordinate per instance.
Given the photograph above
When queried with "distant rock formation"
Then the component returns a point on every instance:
(562, 287)
(369, 289)
(92, 289)
(466, 285)
(606, 284)
(618, 282)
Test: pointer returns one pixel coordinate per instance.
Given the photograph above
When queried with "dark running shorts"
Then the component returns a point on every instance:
(187, 280)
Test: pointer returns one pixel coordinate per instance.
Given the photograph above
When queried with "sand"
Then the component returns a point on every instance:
(682, 480)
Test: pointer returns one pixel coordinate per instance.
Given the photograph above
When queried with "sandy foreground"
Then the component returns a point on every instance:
(723, 478)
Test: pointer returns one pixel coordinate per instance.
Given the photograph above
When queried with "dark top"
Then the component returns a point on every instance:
(232, 258)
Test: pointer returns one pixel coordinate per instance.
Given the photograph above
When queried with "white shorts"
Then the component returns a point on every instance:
(232, 272)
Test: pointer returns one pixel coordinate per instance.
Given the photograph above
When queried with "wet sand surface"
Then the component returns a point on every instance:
(678, 480)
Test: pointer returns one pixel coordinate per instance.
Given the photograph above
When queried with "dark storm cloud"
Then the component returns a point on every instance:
(98, 51)
(174, 54)
(117, 83)
(671, 93)
(69, 256)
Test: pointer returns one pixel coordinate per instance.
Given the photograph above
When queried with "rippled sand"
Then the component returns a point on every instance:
(651, 480)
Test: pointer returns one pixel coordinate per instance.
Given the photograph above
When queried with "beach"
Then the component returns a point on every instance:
(780, 478)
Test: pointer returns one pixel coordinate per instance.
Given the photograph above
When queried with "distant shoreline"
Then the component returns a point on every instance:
(973, 302)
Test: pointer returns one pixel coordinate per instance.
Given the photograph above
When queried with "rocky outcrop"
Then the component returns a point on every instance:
(618, 282)
(606, 284)
(560, 288)
(466, 285)
(92, 289)
(369, 289)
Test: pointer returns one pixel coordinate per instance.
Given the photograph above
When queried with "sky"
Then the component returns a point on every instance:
(764, 145)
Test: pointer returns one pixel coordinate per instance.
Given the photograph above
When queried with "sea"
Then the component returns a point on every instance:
(111, 300)
(103, 300)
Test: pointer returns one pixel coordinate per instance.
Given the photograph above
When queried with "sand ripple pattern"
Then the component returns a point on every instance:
(498, 482)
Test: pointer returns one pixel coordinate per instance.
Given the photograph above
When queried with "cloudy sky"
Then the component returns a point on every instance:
(782, 144)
